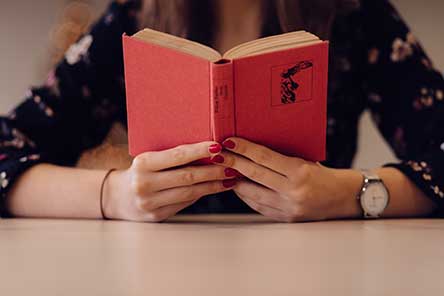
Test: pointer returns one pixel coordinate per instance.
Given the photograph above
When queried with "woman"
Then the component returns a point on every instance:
(375, 63)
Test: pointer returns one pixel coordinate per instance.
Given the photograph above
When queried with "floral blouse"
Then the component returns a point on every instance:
(375, 63)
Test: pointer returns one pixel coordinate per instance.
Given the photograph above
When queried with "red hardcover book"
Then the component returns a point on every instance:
(271, 91)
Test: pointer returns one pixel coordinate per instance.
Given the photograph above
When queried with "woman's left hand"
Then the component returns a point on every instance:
(287, 188)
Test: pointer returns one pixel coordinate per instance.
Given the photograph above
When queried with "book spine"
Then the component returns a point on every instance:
(222, 100)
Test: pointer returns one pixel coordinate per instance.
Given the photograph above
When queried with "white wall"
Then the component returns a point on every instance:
(24, 27)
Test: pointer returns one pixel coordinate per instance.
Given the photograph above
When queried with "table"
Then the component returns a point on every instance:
(221, 255)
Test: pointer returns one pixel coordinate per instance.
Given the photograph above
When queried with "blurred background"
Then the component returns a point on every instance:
(30, 45)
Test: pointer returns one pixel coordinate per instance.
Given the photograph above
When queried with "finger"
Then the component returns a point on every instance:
(260, 194)
(180, 155)
(163, 213)
(264, 210)
(187, 176)
(259, 154)
(183, 194)
(252, 170)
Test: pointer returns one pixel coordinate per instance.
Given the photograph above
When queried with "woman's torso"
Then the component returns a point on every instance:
(345, 106)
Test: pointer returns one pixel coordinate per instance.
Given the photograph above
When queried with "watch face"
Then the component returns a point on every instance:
(375, 199)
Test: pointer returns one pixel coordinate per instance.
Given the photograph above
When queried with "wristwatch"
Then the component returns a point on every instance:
(374, 196)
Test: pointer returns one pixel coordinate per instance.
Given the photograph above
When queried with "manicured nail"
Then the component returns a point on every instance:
(229, 172)
(229, 183)
(215, 148)
(217, 159)
(229, 144)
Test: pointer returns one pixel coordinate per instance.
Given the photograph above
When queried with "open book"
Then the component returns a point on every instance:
(271, 91)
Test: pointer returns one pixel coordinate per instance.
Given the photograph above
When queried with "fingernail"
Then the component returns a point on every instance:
(229, 144)
(215, 148)
(229, 183)
(217, 159)
(229, 172)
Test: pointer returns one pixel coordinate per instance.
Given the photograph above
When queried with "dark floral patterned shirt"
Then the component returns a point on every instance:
(375, 63)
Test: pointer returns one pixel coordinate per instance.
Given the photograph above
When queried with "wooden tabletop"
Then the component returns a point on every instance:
(221, 255)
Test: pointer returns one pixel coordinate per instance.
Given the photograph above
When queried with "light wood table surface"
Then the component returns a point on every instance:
(221, 255)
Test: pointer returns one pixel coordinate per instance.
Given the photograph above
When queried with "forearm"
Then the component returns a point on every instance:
(48, 191)
(406, 200)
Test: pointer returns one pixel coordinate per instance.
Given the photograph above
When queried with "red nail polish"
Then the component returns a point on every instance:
(218, 159)
(229, 183)
(229, 144)
(215, 148)
(229, 172)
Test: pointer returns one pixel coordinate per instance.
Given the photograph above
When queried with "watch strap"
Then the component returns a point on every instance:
(370, 176)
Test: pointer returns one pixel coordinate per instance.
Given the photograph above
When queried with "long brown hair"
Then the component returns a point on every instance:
(193, 18)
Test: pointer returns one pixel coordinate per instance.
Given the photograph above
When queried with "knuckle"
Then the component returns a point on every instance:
(137, 186)
(216, 172)
(216, 187)
(230, 161)
(241, 148)
(305, 170)
(187, 177)
(256, 173)
(179, 153)
(301, 173)
(139, 162)
(264, 156)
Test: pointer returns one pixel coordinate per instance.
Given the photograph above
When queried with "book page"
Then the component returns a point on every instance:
(254, 47)
(180, 44)
(272, 43)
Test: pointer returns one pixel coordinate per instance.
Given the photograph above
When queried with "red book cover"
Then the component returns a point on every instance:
(277, 99)
(280, 100)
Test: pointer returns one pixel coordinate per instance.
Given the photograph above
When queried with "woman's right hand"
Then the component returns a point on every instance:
(155, 187)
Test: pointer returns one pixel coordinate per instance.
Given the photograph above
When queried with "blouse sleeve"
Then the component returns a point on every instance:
(76, 106)
(405, 95)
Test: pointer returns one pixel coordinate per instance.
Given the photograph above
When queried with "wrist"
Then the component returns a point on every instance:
(111, 194)
(350, 182)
